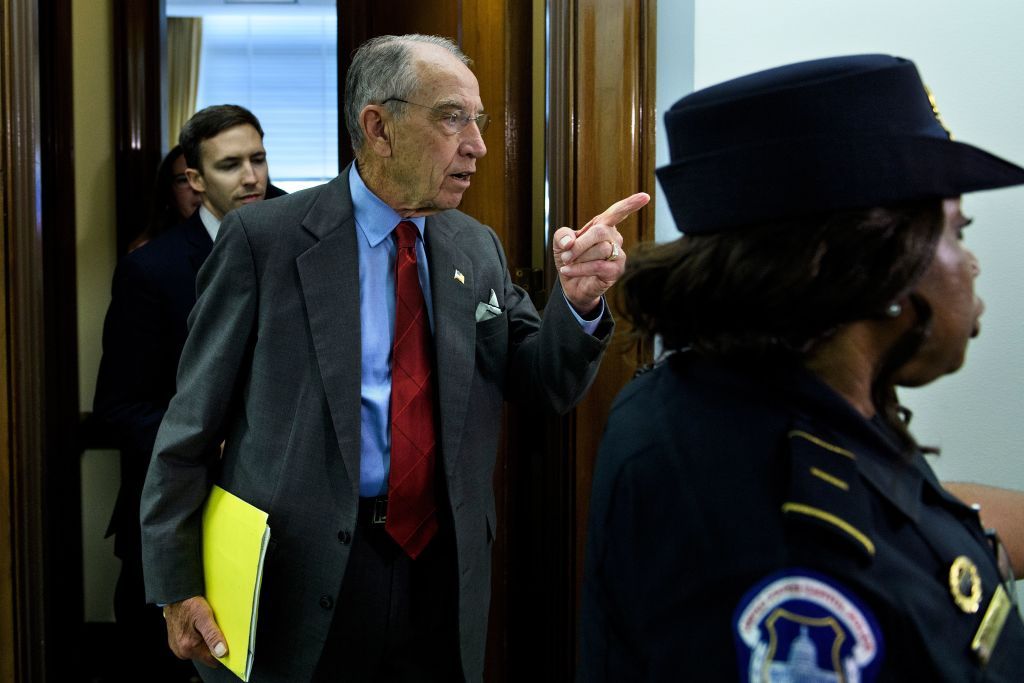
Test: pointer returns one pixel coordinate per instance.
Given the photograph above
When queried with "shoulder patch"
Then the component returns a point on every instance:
(798, 625)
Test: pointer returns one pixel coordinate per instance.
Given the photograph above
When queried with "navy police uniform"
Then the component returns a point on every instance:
(769, 532)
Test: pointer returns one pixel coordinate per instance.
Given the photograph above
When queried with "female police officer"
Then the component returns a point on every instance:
(760, 510)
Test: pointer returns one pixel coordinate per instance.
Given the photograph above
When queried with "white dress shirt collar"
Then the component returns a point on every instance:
(210, 222)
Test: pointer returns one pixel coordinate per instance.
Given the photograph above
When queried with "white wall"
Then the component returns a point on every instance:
(969, 54)
(674, 80)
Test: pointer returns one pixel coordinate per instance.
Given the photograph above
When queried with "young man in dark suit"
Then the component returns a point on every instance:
(144, 332)
(298, 358)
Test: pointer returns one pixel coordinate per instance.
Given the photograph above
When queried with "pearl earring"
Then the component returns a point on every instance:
(893, 310)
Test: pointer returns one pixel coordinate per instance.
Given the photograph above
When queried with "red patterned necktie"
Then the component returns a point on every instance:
(412, 512)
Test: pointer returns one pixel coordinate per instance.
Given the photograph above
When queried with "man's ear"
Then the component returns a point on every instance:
(375, 130)
(195, 180)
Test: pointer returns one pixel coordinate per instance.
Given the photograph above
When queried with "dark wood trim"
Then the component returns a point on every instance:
(61, 483)
(648, 117)
(140, 100)
(8, 138)
(561, 148)
(23, 437)
(39, 469)
(541, 609)
(543, 631)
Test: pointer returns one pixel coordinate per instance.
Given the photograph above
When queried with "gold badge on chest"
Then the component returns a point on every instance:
(965, 584)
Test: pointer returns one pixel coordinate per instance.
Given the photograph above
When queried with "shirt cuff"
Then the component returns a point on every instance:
(589, 326)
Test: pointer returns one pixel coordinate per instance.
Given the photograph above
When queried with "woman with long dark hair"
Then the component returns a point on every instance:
(173, 199)
(761, 510)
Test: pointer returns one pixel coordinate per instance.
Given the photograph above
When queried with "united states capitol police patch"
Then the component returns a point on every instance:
(800, 626)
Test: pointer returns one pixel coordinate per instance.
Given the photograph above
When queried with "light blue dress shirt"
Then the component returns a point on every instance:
(375, 221)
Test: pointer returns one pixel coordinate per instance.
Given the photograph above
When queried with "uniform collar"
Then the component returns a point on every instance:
(877, 450)
(881, 459)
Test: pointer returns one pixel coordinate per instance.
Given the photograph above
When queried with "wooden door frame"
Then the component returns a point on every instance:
(40, 587)
(21, 531)
(600, 148)
(140, 100)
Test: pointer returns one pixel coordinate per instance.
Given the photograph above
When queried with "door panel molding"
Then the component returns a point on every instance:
(22, 628)
(140, 100)
(601, 131)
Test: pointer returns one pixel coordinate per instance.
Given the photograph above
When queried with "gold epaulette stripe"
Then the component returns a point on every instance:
(817, 513)
(835, 481)
(824, 444)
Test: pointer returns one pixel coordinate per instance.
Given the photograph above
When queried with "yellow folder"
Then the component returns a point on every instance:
(235, 537)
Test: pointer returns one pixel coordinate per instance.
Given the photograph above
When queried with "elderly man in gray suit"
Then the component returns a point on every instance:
(351, 347)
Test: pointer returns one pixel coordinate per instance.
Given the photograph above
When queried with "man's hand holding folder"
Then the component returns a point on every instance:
(192, 632)
(234, 545)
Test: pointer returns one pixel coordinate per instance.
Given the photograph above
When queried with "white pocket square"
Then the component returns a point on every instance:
(488, 310)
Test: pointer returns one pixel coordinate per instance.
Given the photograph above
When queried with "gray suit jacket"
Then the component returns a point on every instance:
(271, 366)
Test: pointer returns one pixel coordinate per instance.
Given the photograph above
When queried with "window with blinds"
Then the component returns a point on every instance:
(283, 68)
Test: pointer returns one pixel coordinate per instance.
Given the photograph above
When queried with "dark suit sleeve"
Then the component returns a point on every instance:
(186, 455)
(131, 388)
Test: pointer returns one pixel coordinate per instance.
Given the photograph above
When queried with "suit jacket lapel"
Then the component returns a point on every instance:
(329, 277)
(454, 330)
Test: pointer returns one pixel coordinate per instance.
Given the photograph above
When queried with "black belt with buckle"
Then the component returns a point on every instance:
(374, 511)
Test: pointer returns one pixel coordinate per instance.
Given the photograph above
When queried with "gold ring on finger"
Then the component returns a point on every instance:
(615, 252)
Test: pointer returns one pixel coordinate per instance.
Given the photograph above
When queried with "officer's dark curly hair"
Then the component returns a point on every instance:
(782, 288)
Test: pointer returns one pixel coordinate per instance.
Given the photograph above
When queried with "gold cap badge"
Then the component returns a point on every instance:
(935, 110)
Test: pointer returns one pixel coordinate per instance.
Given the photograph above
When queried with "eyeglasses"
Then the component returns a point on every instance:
(453, 121)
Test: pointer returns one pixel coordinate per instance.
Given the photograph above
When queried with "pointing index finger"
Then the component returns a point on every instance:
(619, 211)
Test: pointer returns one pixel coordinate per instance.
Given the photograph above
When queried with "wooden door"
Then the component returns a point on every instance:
(600, 148)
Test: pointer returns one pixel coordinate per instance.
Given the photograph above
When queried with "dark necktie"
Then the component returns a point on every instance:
(412, 512)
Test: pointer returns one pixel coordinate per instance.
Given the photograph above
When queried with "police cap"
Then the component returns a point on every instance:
(816, 136)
